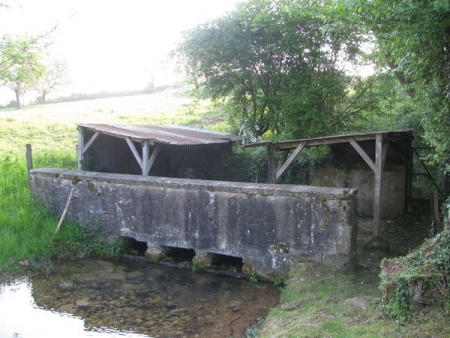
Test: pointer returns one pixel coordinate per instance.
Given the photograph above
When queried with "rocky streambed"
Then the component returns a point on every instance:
(133, 299)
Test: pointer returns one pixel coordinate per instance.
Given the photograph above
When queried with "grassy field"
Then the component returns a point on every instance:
(53, 127)
(314, 299)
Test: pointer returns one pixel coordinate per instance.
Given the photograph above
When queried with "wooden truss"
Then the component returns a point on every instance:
(292, 149)
(145, 161)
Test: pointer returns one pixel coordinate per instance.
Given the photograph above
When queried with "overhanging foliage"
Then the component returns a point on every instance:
(280, 65)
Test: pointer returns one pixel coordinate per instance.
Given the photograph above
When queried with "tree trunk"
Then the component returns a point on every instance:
(18, 99)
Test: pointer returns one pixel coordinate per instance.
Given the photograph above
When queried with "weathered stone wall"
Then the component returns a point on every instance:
(266, 225)
(362, 178)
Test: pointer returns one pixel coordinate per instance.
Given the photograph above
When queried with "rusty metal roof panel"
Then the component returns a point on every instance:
(168, 134)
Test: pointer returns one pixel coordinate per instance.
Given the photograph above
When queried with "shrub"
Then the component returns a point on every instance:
(419, 279)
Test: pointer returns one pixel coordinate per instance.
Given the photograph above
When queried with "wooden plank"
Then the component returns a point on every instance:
(134, 151)
(80, 148)
(435, 206)
(69, 199)
(291, 158)
(321, 142)
(283, 159)
(29, 156)
(380, 157)
(145, 155)
(86, 147)
(153, 157)
(312, 142)
(326, 140)
(271, 164)
(362, 153)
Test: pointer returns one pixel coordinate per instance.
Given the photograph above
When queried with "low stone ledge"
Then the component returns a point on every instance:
(266, 225)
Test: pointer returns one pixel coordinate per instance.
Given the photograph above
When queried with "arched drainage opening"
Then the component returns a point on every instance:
(227, 263)
(133, 247)
(178, 255)
(184, 258)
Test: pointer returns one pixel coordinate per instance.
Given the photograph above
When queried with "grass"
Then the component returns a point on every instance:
(313, 305)
(26, 228)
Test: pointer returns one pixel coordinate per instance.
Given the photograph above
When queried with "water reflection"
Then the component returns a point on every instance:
(98, 298)
(21, 317)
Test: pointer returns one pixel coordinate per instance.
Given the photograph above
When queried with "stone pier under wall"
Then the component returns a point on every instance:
(266, 225)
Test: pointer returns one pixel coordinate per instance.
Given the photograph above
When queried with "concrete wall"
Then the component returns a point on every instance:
(265, 225)
(362, 178)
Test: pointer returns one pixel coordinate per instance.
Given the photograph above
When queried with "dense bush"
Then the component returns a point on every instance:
(419, 279)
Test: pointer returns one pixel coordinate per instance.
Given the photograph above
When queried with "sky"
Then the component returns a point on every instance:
(111, 45)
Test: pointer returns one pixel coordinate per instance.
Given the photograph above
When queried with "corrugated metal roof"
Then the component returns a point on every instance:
(176, 135)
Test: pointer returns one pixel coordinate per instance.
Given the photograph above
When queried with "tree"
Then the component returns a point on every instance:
(413, 41)
(278, 63)
(20, 65)
(54, 75)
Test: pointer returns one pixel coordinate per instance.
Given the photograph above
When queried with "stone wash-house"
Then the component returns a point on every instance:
(378, 164)
(170, 151)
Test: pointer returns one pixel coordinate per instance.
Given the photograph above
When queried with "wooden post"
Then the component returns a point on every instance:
(435, 211)
(80, 148)
(145, 158)
(380, 156)
(29, 162)
(271, 164)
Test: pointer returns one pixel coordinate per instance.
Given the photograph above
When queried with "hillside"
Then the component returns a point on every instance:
(53, 126)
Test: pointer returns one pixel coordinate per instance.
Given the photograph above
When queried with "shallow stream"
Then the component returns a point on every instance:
(97, 298)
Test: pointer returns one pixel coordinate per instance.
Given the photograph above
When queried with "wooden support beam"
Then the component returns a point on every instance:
(283, 159)
(80, 148)
(134, 151)
(271, 164)
(362, 153)
(381, 146)
(29, 157)
(153, 157)
(86, 147)
(380, 156)
(291, 158)
(145, 163)
(145, 156)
